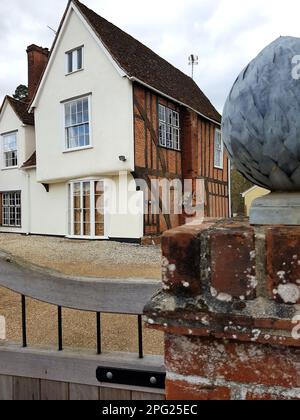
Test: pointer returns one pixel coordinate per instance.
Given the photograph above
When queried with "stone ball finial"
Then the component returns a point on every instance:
(261, 118)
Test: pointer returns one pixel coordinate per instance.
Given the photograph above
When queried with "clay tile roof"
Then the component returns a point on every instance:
(30, 162)
(140, 62)
(21, 109)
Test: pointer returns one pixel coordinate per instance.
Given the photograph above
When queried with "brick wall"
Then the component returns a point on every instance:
(230, 310)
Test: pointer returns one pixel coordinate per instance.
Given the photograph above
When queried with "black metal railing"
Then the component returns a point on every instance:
(60, 329)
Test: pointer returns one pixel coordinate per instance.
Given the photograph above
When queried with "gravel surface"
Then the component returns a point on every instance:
(86, 258)
(100, 259)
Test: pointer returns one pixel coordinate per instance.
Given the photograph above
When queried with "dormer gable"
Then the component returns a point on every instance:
(20, 108)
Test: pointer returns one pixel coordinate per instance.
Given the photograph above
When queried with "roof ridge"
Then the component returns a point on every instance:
(17, 100)
(21, 108)
(145, 65)
(136, 40)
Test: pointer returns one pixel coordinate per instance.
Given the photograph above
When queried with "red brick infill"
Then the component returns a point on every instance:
(230, 311)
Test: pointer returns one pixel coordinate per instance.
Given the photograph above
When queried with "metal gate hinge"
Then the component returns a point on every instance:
(131, 377)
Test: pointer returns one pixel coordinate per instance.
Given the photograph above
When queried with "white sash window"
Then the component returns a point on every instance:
(77, 123)
(10, 152)
(219, 151)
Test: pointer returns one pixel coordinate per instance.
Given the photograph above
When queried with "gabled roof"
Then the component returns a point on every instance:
(140, 62)
(143, 65)
(21, 110)
(31, 162)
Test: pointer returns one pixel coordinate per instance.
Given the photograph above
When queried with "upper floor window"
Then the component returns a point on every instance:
(74, 60)
(10, 150)
(77, 123)
(169, 128)
(219, 150)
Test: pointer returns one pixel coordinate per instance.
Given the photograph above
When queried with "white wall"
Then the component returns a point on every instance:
(10, 122)
(30, 146)
(48, 210)
(112, 112)
(44, 212)
(16, 179)
(126, 219)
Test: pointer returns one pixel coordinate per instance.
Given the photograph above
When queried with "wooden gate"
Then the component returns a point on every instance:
(28, 373)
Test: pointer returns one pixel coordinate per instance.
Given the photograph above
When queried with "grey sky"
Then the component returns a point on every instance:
(225, 34)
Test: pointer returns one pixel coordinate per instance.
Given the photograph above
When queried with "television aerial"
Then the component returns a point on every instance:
(193, 61)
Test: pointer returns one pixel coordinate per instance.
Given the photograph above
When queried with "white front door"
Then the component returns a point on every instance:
(87, 219)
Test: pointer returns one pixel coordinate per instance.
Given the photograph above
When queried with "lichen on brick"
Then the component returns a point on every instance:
(289, 293)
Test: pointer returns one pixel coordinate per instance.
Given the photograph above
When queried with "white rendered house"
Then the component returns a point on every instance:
(69, 154)
(83, 124)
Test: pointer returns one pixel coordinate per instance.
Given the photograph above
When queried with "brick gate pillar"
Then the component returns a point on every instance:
(230, 311)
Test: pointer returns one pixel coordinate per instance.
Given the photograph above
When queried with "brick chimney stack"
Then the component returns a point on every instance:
(37, 61)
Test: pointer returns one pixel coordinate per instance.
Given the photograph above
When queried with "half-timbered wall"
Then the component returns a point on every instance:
(194, 161)
(198, 163)
(151, 160)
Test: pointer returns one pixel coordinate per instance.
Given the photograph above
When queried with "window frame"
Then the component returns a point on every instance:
(221, 151)
(67, 63)
(3, 152)
(17, 205)
(171, 124)
(70, 193)
(67, 149)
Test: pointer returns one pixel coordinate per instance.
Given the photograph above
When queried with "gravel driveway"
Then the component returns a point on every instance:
(99, 259)
(86, 258)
